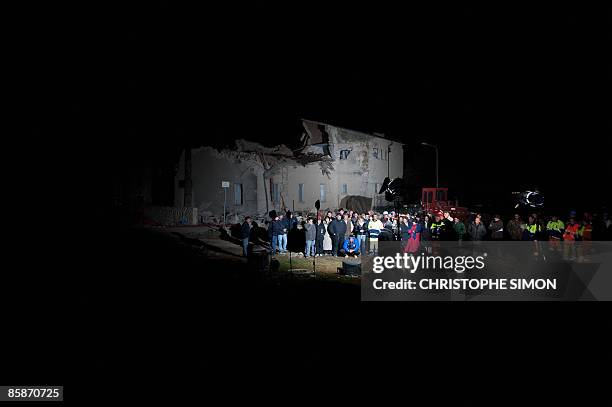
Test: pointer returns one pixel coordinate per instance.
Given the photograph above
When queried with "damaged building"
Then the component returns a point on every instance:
(331, 164)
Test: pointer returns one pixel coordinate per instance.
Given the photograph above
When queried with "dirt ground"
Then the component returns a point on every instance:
(230, 251)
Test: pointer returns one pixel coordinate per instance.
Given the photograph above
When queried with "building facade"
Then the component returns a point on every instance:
(332, 163)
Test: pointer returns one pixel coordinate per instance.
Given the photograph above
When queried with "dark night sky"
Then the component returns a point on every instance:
(516, 97)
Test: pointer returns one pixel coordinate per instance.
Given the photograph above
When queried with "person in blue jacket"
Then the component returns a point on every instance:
(351, 247)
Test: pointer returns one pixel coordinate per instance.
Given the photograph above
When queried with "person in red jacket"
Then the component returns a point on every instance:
(569, 239)
(414, 237)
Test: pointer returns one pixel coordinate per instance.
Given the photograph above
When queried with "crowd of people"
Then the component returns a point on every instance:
(348, 233)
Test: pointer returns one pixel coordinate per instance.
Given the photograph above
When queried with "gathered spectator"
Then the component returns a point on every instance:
(571, 231)
(447, 232)
(477, 229)
(374, 228)
(437, 226)
(497, 228)
(387, 221)
(386, 234)
(530, 229)
(542, 234)
(361, 230)
(342, 228)
(337, 230)
(426, 233)
(245, 234)
(414, 236)
(327, 240)
(569, 238)
(274, 230)
(555, 229)
(459, 227)
(289, 223)
(350, 247)
(437, 232)
(320, 239)
(586, 230)
(354, 220)
(404, 230)
(281, 243)
(514, 227)
(426, 226)
(311, 235)
(349, 226)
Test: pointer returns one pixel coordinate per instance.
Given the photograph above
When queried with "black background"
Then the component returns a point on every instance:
(516, 96)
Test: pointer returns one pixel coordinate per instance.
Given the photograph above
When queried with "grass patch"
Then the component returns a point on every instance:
(326, 267)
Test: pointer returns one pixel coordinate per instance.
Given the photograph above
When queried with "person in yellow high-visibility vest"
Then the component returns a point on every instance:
(530, 229)
(555, 229)
(530, 232)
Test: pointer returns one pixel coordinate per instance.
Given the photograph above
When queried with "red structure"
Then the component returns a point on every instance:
(436, 199)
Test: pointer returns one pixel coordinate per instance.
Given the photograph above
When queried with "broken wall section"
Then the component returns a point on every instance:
(210, 168)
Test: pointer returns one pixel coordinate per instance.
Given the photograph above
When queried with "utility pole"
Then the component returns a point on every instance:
(225, 185)
(388, 161)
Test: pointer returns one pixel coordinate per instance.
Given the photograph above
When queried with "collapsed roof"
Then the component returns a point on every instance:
(274, 157)
(314, 148)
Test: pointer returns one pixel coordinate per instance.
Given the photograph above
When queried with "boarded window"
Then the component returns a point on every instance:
(380, 153)
(301, 192)
(238, 199)
(322, 196)
(275, 193)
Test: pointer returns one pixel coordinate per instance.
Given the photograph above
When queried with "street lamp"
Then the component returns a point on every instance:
(389, 160)
(436, 147)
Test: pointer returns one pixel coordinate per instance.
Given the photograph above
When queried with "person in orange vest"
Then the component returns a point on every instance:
(569, 239)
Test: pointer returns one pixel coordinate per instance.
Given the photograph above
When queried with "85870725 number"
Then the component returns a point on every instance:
(33, 393)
